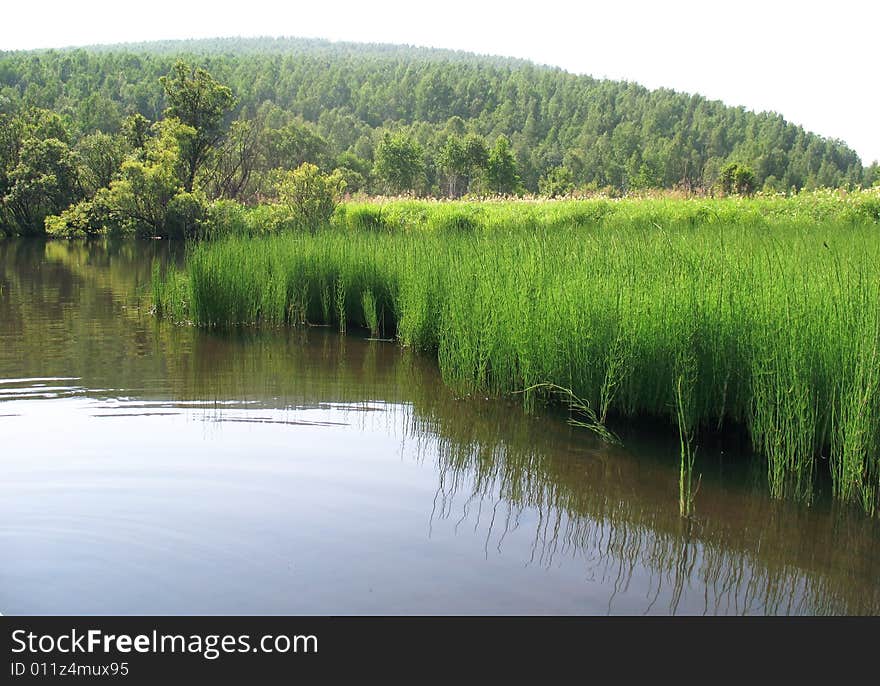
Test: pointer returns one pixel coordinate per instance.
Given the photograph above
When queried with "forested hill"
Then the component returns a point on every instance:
(337, 101)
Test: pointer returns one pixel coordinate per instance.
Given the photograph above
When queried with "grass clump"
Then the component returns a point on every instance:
(759, 313)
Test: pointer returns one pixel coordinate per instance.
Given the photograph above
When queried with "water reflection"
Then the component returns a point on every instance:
(450, 504)
(616, 512)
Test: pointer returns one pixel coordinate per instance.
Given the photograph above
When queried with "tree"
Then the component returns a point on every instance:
(43, 182)
(38, 171)
(79, 220)
(100, 156)
(97, 112)
(200, 102)
(292, 145)
(744, 181)
(433, 96)
(230, 171)
(556, 182)
(135, 129)
(476, 156)
(400, 163)
(453, 164)
(310, 196)
(646, 177)
(354, 180)
(501, 174)
(461, 161)
(737, 178)
(872, 174)
(148, 198)
(602, 131)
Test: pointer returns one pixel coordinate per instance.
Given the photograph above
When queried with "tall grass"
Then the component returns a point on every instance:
(763, 314)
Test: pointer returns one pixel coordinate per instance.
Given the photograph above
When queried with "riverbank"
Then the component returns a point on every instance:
(748, 312)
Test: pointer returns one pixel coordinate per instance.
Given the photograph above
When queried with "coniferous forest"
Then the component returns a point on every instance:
(387, 119)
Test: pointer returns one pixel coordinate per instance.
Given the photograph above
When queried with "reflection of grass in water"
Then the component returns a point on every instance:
(687, 491)
(499, 469)
(748, 553)
(797, 565)
(582, 415)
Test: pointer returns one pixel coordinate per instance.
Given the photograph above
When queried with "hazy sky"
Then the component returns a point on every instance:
(816, 64)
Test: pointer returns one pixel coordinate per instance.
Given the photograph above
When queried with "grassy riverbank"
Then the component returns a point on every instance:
(764, 313)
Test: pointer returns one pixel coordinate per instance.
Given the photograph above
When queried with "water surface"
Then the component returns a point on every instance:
(157, 469)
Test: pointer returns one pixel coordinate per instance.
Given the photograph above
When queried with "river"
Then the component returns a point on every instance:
(149, 468)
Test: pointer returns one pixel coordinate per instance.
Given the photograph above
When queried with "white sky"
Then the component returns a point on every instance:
(817, 65)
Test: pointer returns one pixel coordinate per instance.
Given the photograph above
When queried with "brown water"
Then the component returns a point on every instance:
(154, 469)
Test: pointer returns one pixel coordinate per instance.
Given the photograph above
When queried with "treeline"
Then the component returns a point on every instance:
(602, 132)
(381, 119)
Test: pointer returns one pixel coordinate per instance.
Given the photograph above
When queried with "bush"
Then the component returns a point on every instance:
(184, 215)
(870, 207)
(461, 219)
(225, 217)
(366, 218)
(309, 196)
(84, 219)
(737, 178)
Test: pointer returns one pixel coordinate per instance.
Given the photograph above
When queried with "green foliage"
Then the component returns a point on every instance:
(134, 130)
(456, 219)
(400, 163)
(293, 145)
(310, 196)
(761, 313)
(149, 197)
(388, 120)
(43, 180)
(726, 178)
(200, 102)
(228, 218)
(501, 174)
(772, 185)
(82, 220)
(38, 174)
(736, 178)
(556, 183)
(231, 168)
(361, 218)
(646, 176)
(355, 171)
(349, 160)
(100, 155)
(324, 100)
(353, 180)
(184, 215)
(744, 181)
(453, 164)
(462, 161)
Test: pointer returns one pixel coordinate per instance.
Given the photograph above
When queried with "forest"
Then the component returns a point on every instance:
(106, 138)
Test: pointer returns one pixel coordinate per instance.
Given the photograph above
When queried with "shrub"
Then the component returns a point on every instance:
(184, 215)
(365, 218)
(225, 217)
(80, 220)
(309, 196)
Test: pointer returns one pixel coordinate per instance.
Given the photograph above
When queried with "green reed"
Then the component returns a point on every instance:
(763, 314)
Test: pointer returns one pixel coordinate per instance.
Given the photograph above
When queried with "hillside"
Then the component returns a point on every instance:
(341, 98)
